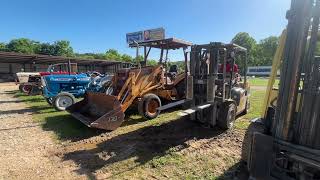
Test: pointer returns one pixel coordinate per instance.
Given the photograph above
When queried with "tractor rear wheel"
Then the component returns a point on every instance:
(227, 116)
(63, 100)
(147, 107)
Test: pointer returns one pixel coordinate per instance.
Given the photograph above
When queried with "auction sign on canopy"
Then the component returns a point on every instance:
(146, 35)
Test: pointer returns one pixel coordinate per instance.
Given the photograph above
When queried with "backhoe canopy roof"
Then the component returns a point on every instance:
(170, 43)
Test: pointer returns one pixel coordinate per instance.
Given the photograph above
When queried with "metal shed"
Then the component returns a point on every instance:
(11, 63)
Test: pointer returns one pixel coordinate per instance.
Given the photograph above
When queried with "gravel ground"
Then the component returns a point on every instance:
(25, 149)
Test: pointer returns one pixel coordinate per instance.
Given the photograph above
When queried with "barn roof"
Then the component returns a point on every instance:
(12, 57)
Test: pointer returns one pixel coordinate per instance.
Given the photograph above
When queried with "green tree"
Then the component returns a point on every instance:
(113, 54)
(126, 58)
(99, 56)
(265, 51)
(45, 48)
(3, 46)
(152, 62)
(85, 55)
(63, 48)
(22, 45)
(245, 40)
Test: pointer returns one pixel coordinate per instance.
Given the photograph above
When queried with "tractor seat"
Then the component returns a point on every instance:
(173, 71)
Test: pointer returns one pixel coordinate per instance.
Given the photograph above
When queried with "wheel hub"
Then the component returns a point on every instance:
(65, 101)
(152, 107)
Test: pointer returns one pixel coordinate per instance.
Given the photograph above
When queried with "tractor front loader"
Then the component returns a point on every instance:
(146, 87)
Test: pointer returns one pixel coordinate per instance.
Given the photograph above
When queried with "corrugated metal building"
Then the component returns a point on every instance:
(11, 63)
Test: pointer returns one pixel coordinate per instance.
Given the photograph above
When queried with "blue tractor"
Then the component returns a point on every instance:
(61, 90)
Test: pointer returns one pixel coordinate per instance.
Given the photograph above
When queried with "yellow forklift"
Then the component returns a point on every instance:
(285, 142)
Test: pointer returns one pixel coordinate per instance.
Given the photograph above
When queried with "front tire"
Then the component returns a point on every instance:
(255, 126)
(227, 116)
(63, 100)
(26, 88)
(147, 107)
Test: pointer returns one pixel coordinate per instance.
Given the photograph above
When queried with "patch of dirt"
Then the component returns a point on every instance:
(98, 155)
(25, 149)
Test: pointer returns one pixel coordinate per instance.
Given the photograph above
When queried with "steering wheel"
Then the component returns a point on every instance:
(94, 74)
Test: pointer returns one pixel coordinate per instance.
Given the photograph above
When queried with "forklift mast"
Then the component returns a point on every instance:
(285, 143)
(299, 67)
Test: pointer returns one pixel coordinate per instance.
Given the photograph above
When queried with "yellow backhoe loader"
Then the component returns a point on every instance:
(144, 87)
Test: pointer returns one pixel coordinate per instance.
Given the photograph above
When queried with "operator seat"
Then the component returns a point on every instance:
(173, 71)
(170, 76)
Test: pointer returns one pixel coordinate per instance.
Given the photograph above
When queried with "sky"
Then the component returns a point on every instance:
(98, 25)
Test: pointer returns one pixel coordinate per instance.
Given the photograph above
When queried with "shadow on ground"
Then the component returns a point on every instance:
(9, 92)
(60, 123)
(236, 172)
(143, 144)
(34, 109)
(67, 128)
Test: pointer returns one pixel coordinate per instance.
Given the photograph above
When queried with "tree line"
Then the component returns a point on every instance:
(60, 48)
(259, 53)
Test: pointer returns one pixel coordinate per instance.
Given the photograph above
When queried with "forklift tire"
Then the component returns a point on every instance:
(255, 126)
(227, 116)
(148, 105)
(63, 100)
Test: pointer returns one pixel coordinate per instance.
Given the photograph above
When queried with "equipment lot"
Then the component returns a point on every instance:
(36, 138)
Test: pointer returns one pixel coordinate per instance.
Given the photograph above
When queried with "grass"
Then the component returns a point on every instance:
(261, 81)
(61, 123)
(66, 128)
(256, 101)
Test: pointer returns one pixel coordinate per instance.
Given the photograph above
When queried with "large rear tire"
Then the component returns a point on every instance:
(148, 105)
(227, 116)
(63, 100)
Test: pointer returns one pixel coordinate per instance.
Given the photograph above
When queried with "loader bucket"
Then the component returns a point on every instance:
(98, 110)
